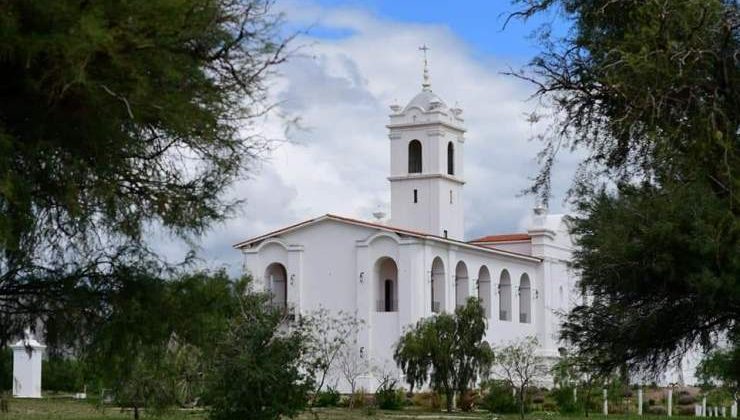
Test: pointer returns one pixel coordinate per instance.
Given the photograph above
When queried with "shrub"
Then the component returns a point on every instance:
(387, 397)
(564, 400)
(468, 400)
(550, 406)
(328, 398)
(499, 398)
(6, 369)
(685, 410)
(61, 374)
(686, 400)
(426, 400)
(657, 410)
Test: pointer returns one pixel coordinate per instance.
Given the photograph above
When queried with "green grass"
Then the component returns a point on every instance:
(68, 409)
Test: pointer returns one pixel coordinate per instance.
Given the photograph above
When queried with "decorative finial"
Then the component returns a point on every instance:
(425, 84)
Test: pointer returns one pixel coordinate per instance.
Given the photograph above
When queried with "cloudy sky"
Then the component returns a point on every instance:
(354, 60)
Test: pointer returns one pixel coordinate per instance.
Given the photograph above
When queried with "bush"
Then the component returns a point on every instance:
(564, 399)
(426, 400)
(499, 398)
(328, 398)
(657, 410)
(686, 400)
(61, 374)
(468, 400)
(387, 397)
(6, 369)
(685, 410)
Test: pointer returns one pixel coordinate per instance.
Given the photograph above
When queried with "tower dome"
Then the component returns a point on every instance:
(426, 101)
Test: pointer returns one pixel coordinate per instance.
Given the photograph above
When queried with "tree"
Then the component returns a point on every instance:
(119, 117)
(259, 372)
(144, 346)
(519, 365)
(650, 92)
(722, 366)
(451, 346)
(352, 366)
(329, 335)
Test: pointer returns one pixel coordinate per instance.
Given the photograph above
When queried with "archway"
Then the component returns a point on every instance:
(461, 284)
(276, 282)
(525, 300)
(504, 297)
(438, 285)
(484, 289)
(386, 291)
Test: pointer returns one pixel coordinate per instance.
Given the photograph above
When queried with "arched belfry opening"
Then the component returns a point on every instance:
(484, 289)
(525, 300)
(415, 165)
(276, 282)
(461, 284)
(450, 158)
(386, 291)
(504, 297)
(437, 286)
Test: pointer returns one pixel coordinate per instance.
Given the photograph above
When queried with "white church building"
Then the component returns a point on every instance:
(394, 272)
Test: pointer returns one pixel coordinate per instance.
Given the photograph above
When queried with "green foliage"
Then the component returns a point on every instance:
(650, 92)
(62, 374)
(451, 346)
(519, 365)
(564, 400)
(499, 398)
(156, 344)
(120, 116)
(388, 397)
(258, 371)
(329, 398)
(721, 366)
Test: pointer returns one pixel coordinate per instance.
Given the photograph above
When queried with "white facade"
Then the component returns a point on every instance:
(27, 354)
(417, 264)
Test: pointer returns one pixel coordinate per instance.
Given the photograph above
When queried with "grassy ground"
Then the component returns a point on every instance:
(68, 409)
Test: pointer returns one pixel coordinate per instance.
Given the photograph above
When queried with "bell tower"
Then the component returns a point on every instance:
(427, 165)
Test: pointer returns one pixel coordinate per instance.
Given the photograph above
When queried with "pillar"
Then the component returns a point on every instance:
(639, 401)
(27, 354)
(670, 402)
(606, 403)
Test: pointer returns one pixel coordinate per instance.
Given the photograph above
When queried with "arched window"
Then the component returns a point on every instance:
(386, 272)
(525, 300)
(484, 289)
(450, 158)
(461, 284)
(415, 157)
(504, 297)
(276, 283)
(438, 285)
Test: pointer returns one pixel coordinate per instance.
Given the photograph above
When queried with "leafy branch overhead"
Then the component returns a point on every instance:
(121, 116)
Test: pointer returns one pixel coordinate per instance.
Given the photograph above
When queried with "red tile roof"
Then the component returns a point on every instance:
(509, 237)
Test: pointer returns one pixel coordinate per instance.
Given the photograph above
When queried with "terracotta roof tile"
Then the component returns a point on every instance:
(509, 237)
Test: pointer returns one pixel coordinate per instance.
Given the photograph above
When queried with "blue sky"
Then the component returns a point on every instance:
(479, 23)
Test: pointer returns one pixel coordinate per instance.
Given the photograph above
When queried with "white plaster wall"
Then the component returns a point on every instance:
(26, 372)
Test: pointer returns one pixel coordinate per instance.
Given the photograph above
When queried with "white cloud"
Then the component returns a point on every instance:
(341, 89)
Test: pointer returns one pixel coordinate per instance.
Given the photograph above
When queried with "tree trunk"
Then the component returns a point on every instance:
(450, 399)
(136, 412)
(521, 403)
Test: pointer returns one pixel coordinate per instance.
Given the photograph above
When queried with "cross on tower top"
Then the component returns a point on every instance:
(425, 84)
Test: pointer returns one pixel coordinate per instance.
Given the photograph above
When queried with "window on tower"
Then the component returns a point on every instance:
(450, 158)
(416, 196)
(415, 157)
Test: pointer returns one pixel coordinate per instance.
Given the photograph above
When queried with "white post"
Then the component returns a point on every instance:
(724, 411)
(27, 367)
(606, 404)
(704, 406)
(575, 394)
(670, 402)
(639, 401)
(697, 410)
(733, 409)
